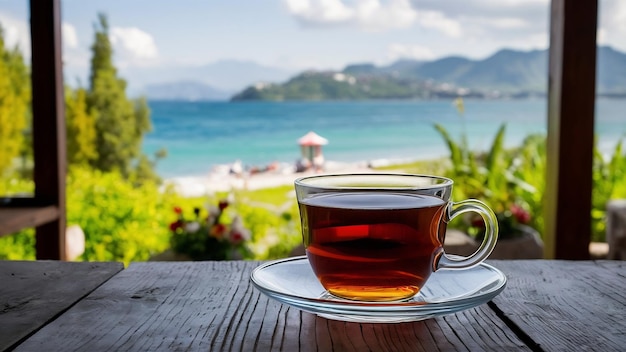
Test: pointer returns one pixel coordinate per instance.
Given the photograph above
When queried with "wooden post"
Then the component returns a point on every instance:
(571, 103)
(48, 123)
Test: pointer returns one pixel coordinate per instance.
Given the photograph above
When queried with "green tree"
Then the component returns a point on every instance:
(120, 122)
(81, 128)
(14, 103)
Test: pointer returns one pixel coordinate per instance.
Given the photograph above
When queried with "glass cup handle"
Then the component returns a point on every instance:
(489, 241)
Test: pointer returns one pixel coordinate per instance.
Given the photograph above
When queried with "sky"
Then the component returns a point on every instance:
(295, 35)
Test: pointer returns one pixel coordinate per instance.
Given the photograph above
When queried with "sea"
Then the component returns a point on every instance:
(202, 136)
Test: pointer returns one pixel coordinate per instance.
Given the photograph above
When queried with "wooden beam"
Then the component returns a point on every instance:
(571, 103)
(48, 123)
(15, 219)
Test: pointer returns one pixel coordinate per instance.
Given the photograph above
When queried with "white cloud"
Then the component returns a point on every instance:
(612, 24)
(510, 32)
(133, 47)
(450, 18)
(601, 36)
(511, 3)
(373, 15)
(405, 51)
(367, 14)
(484, 25)
(70, 39)
(320, 11)
(16, 33)
(438, 21)
(505, 22)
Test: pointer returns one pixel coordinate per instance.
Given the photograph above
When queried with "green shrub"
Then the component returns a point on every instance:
(121, 222)
(609, 182)
(529, 168)
(21, 245)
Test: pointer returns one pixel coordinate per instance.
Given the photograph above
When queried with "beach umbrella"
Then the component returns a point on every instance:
(312, 139)
(311, 147)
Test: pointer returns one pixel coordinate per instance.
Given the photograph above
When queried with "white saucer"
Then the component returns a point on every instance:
(291, 281)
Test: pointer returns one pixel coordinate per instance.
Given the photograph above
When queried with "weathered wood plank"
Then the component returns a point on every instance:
(566, 305)
(34, 293)
(212, 306)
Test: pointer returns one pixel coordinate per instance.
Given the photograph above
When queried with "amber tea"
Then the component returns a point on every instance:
(378, 237)
(372, 246)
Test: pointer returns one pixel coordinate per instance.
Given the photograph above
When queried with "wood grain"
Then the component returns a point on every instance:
(34, 293)
(566, 305)
(212, 306)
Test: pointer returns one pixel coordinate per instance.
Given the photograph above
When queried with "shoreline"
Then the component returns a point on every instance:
(220, 178)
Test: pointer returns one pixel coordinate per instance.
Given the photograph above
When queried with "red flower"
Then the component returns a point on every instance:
(520, 214)
(236, 237)
(222, 204)
(218, 231)
(178, 210)
(176, 225)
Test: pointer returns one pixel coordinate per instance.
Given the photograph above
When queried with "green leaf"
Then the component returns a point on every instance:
(494, 157)
(456, 155)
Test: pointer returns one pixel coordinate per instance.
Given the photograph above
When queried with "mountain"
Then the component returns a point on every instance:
(507, 73)
(611, 73)
(507, 70)
(185, 90)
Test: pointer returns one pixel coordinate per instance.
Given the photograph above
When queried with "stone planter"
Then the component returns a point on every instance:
(526, 246)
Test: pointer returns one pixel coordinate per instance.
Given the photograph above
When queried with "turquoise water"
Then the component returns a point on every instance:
(201, 135)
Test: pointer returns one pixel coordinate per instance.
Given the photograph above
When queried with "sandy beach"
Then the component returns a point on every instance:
(221, 179)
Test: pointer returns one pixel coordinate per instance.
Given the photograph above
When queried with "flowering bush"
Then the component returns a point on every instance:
(209, 237)
(505, 179)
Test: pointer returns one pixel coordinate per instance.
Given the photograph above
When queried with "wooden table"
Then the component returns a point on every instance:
(199, 306)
